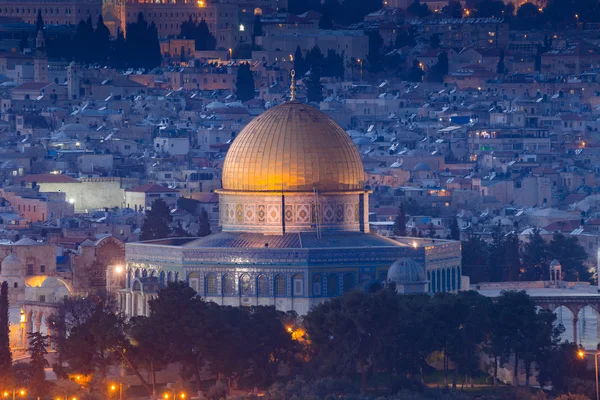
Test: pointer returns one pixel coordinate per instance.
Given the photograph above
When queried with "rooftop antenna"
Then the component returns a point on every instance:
(293, 86)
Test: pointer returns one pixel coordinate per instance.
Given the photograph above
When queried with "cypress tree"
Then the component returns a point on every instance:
(244, 83)
(400, 222)
(5, 353)
(102, 42)
(156, 223)
(39, 22)
(204, 223)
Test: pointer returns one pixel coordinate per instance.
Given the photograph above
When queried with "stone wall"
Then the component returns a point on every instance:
(89, 193)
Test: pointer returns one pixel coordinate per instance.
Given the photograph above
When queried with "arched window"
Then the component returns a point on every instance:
(211, 284)
(348, 282)
(458, 277)
(144, 273)
(298, 283)
(193, 281)
(263, 286)
(170, 276)
(245, 285)
(176, 277)
(438, 287)
(228, 284)
(448, 280)
(332, 285)
(16, 285)
(280, 288)
(161, 279)
(136, 274)
(317, 285)
(428, 281)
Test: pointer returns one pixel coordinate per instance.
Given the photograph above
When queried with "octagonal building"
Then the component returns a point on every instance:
(295, 230)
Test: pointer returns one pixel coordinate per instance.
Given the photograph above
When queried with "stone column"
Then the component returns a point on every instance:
(128, 304)
(575, 321)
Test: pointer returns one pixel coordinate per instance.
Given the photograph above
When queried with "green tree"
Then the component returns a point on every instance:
(475, 259)
(375, 56)
(454, 230)
(204, 229)
(205, 40)
(434, 41)
(314, 59)
(5, 352)
(405, 37)
(501, 67)
(157, 221)
(466, 339)
(244, 83)
(90, 335)
(516, 314)
(559, 366)
(38, 344)
(101, 42)
(256, 28)
(418, 9)
(512, 261)
(400, 222)
(453, 9)
(439, 69)
(326, 20)
(118, 52)
(299, 64)
(415, 74)
(39, 22)
(431, 230)
(535, 257)
(178, 319)
(571, 255)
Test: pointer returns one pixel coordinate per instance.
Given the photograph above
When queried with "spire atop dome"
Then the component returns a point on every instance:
(293, 86)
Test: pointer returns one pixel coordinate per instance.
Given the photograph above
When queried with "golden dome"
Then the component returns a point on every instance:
(293, 148)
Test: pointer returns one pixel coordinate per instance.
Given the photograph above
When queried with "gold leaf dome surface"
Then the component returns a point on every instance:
(293, 147)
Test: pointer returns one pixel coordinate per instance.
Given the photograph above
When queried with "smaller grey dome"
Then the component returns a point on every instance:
(422, 167)
(26, 242)
(555, 263)
(11, 266)
(405, 271)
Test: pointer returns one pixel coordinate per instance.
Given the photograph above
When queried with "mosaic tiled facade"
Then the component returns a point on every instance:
(263, 212)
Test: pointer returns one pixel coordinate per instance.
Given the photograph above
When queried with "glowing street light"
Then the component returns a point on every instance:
(114, 387)
(20, 392)
(119, 269)
(581, 353)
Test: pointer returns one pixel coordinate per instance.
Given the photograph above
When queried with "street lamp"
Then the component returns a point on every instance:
(7, 393)
(170, 395)
(114, 387)
(582, 353)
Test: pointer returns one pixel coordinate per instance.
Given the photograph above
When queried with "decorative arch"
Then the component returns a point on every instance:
(348, 282)
(228, 285)
(262, 285)
(333, 283)
(144, 273)
(211, 287)
(136, 273)
(317, 285)
(170, 276)
(298, 285)
(162, 279)
(280, 286)
(245, 285)
(193, 281)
